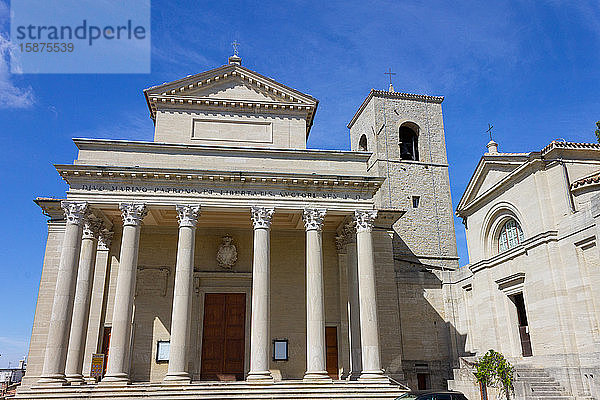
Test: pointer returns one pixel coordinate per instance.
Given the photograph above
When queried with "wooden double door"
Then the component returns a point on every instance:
(223, 336)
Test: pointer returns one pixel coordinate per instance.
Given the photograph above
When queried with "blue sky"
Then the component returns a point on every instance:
(532, 68)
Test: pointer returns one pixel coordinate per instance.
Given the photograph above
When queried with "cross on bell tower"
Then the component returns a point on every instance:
(390, 73)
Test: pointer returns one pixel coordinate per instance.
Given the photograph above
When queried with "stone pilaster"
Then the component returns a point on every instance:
(120, 339)
(315, 310)
(182, 296)
(369, 335)
(259, 328)
(55, 356)
(81, 307)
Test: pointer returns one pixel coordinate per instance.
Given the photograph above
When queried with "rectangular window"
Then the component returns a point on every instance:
(415, 201)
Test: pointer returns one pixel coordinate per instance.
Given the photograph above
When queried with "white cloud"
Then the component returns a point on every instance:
(11, 95)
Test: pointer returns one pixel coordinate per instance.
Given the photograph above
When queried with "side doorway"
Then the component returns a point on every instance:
(519, 302)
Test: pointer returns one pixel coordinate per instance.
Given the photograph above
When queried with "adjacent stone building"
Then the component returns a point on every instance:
(225, 250)
(532, 288)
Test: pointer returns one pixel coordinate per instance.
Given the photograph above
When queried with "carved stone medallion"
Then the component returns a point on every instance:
(227, 254)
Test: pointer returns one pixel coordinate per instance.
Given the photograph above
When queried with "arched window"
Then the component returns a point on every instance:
(362, 143)
(511, 235)
(409, 144)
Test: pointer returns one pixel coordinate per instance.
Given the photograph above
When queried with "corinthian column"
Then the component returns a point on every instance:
(369, 335)
(53, 371)
(182, 296)
(81, 308)
(353, 303)
(259, 325)
(118, 352)
(315, 310)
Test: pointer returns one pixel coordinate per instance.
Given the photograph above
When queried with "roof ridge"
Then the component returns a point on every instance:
(570, 145)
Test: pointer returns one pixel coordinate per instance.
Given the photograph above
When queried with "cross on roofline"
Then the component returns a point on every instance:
(390, 73)
(235, 45)
(489, 131)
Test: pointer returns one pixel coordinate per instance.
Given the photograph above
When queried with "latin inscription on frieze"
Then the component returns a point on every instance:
(165, 189)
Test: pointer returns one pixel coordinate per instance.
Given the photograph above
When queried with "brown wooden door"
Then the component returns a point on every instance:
(332, 351)
(105, 346)
(223, 336)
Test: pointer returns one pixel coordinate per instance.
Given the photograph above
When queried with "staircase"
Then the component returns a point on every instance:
(339, 390)
(539, 385)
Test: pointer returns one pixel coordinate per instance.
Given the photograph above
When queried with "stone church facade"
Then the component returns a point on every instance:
(225, 250)
(531, 290)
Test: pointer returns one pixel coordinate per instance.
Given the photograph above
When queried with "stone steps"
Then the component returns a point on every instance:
(540, 385)
(212, 391)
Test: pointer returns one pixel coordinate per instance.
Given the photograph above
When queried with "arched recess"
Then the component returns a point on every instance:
(362, 143)
(408, 140)
(494, 221)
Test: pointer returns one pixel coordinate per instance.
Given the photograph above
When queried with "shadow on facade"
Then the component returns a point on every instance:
(431, 342)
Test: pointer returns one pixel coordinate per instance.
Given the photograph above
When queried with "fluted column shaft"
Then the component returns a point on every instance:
(369, 335)
(182, 296)
(353, 311)
(53, 371)
(315, 308)
(81, 308)
(120, 338)
(259, 325)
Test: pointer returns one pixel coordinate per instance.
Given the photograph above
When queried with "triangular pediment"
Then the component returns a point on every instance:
(231, 87)
(234, 88)
(491, 172)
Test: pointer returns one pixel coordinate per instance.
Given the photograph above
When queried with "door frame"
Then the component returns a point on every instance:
(212, 286)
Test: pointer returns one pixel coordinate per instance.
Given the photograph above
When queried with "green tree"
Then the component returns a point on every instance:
(493, 370)
(598, 131)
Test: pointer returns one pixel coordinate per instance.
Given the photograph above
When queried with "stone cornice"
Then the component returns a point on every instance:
(324, 182)
(523, 248)
(589, 180)
(202, 149)
(51, 208)
(393, 95)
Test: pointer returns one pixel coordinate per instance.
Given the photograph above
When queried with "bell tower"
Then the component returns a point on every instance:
(405, 135)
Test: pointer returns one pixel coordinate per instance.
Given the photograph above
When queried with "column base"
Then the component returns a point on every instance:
(53, 380)
(76, 379)
(376, 376)
(353, 376)
(260, 377)
(317, 376)
(177, 378)
(115, 379)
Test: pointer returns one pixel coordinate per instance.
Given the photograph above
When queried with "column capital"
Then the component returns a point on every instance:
(105, 239)
(313, 218)
(133, 213)
(91, 227)
(261, 217)
(75, 212)
(187, 214)
(364, 220)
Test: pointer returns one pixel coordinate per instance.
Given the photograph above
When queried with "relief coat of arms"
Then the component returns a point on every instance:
(227, 254)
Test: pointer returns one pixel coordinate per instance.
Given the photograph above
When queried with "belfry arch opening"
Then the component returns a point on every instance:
(408, 136)
(362, 143)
